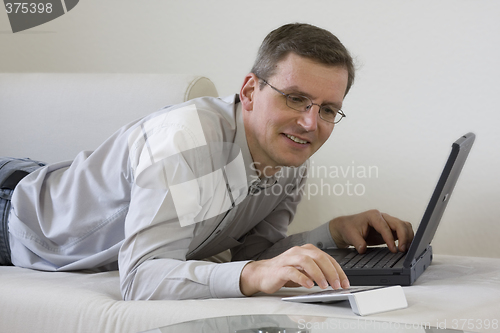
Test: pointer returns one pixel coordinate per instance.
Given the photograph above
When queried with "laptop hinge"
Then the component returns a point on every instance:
(414, 261)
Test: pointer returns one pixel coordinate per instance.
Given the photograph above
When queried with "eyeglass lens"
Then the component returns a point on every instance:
(303, 103)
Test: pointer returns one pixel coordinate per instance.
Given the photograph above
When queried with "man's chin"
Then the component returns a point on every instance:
(295, 163)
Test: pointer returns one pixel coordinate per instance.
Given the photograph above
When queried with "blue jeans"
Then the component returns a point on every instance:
(12, 170)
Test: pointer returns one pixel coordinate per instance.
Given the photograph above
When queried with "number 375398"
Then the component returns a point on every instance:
(28, 8)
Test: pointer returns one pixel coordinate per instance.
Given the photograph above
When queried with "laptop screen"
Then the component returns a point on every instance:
(440, 198)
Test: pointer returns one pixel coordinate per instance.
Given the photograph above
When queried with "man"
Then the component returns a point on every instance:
(193, 180)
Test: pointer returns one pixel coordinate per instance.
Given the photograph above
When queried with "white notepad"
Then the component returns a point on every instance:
(364, 300)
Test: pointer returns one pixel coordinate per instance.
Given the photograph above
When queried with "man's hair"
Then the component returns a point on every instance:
(304, 40)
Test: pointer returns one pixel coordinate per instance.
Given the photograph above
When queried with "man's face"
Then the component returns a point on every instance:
(278, 135)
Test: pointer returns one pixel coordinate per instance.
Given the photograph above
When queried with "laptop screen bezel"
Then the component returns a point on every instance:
(440, 198)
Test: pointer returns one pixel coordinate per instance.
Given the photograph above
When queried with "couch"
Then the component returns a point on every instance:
(51, 117)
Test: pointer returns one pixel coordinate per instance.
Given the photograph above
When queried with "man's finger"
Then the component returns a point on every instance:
(377, 222)
(403, 230)
(359, 243)
(297, 276)
(351, 234)
(322, 268)
(344, 281)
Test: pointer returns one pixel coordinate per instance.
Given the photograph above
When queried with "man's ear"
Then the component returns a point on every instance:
(250, 85)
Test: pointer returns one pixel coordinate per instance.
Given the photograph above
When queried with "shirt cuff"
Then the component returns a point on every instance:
(321, 237)
(225, 279)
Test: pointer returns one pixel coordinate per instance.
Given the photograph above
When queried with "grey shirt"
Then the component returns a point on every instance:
(155, 199)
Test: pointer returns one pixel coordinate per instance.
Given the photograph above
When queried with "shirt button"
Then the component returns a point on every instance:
(319, 245)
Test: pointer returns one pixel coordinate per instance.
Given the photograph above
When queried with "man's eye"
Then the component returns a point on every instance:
(297, 99)
(329, 110)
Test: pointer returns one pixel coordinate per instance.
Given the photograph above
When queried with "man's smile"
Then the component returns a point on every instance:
(297, 139)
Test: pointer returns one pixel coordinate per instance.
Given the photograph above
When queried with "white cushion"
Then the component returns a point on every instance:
(451, 291)
(52, 117)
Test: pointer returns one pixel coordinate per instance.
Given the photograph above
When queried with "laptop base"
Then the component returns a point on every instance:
(396, 275)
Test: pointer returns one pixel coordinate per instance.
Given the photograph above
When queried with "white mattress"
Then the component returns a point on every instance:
(452, 290)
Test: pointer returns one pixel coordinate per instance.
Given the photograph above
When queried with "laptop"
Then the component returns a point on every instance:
(380, 267)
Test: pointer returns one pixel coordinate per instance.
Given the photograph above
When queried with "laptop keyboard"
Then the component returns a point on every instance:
(373, 258)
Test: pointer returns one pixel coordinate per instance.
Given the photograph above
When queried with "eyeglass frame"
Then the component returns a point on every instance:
(308, 107)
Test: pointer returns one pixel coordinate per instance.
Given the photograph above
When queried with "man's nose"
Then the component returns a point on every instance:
(309, 119)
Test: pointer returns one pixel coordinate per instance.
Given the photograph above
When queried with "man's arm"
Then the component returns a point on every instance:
(152, 259)
(170, 202)
(303, 265)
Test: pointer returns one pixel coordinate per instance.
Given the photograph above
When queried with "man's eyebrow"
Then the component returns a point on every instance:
(296, 90)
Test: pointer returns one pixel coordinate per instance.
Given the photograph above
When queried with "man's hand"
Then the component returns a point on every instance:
(371, 228)
(299, 266)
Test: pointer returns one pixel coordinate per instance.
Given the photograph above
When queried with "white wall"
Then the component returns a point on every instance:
(428, 73)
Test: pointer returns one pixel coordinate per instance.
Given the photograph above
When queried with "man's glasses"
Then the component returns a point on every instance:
(327, 112)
